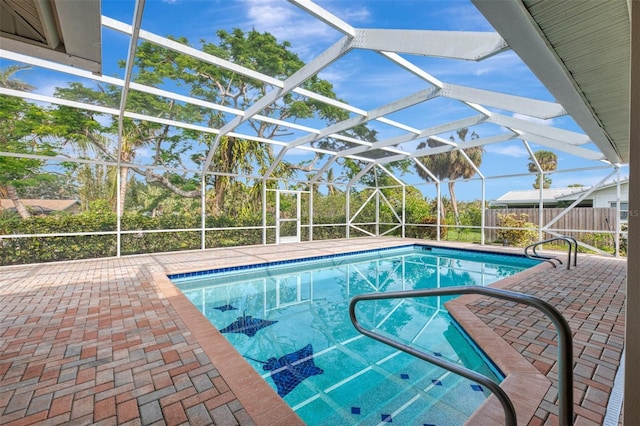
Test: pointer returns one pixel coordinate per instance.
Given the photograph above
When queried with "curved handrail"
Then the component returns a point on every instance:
(537, 256)
(572, 243)
(565, 345)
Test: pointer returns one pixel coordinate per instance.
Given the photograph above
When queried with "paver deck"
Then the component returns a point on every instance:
(112, 341)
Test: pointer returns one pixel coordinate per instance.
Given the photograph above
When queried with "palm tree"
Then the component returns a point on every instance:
(451, 165)
(548, 162)
(330, 178)
(8, 81)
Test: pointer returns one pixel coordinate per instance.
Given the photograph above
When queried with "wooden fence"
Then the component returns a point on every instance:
(583, 218)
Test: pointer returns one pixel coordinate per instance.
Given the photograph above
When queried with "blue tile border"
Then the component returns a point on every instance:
(332, 256)
(288, 262)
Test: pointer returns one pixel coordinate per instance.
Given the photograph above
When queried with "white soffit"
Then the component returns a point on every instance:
(63, 31)
(580, 51)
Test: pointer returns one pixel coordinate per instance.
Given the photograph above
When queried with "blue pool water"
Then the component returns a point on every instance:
(290, 321)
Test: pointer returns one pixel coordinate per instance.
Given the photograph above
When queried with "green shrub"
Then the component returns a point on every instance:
(526, 234)
(430, 232)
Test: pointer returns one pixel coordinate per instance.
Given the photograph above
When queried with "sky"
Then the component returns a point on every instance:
(362, 78)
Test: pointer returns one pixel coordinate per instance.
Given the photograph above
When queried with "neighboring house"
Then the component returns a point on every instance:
(603, 196)
(43, 206)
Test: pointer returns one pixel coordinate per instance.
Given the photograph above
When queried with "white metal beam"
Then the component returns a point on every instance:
(321, 61)
(362, 172)
(427, 171)
(467, 45)
(147, 89)
(144, 117)
(391, 175)
(414, 69)
(579, 199)
(565, 136)
(198, 54)
(326, 17)
(425, 133)
(323, 169)
(462, 145)
(519, 104)
(564, 147)
(416, 98)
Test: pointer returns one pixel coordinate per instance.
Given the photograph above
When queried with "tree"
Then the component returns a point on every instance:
(450, 165)
(23, 125)
(8, 81)
(175, 148)
(548, 162)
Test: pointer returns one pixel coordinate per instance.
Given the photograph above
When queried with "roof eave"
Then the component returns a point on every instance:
(524, 36)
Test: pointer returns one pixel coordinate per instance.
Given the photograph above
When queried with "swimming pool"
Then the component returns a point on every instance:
(290, 321)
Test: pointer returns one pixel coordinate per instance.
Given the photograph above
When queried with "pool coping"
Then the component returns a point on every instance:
(266, 407)
(521, 377)
(260, 401)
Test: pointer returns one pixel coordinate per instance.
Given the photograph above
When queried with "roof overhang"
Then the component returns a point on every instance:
(63, 31)
(581, 52)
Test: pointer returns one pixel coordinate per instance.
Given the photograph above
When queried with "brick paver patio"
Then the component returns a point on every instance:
(112, 341)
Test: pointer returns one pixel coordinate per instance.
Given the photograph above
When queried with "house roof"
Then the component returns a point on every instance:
(584, 189)
(46, 205)
(533, 195)
(552, 194)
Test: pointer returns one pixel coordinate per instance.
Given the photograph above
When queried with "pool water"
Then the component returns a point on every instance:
(290, 321)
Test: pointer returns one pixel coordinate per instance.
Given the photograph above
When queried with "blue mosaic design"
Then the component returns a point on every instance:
(477, 388)
(386, 418)
(404, 376)
(436, 382)
(290, 370)
(248, 325)
(224, 308)
(437, 354)
(355, 410)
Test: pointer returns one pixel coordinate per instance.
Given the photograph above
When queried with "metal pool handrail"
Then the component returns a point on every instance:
(565, 344)
(573, 245)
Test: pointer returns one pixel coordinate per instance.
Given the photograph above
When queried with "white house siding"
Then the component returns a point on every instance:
(606, 196)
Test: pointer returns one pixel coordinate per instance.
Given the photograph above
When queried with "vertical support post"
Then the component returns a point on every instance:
(347, 208)
(118, 212)
(377, 211)
(311, 212)
(616, 240)
(264, 212)
(482, 210)
(439, 207)
(277, 216)
(298, 215)
(541, 204)
(203, 211)
(404, 206)
(631, 412)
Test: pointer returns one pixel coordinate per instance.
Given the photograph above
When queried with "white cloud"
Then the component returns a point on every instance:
(354, 16)
(288, 23)
(508, 150)
(465, 17)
